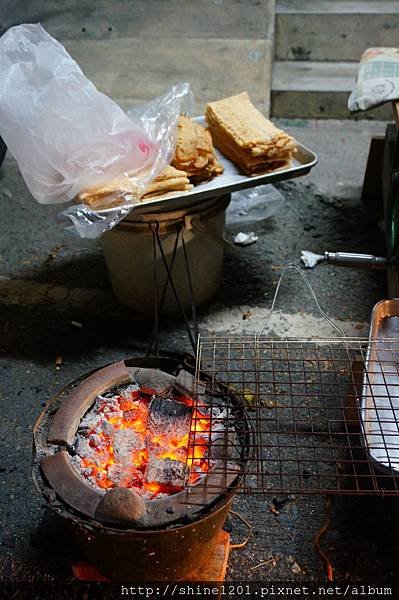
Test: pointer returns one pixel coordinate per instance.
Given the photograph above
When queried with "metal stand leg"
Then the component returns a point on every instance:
(158, 305)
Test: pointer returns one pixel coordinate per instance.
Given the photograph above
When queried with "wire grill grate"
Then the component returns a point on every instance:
(310, 416)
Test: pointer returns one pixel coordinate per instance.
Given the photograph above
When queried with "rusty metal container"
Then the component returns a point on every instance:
(152, 555)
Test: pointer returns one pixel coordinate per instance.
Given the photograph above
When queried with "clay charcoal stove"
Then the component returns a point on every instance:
(130, 449)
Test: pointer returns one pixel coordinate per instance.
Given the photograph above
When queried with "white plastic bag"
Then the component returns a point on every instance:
(67, 136)
(253, 205)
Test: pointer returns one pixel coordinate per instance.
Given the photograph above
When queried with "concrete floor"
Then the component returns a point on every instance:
(50, 279)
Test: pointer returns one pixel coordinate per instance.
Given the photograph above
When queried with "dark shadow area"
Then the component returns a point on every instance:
(40, 334)
(362, 541)
(88, 271)
(3, 150)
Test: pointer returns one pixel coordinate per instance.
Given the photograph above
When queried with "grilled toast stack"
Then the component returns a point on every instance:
(245, 136)
(194, 152)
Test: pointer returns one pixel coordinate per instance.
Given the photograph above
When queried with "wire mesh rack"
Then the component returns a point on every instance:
(303, 416)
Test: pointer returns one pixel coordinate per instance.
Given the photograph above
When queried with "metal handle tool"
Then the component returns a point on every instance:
(351, 259)
(290, 267)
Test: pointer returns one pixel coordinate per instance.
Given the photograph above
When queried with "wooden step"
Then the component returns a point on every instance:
(336, 30)
(133, 71)
(106, 19)
(134, 50)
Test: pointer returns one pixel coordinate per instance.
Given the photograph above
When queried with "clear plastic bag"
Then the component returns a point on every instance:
(158, 118)
(66, 136)
(253, 205)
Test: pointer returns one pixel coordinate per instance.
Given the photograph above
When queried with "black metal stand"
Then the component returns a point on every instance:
(158, 250)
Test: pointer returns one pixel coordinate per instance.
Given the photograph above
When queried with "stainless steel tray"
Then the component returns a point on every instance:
(379, 408)
(231, 181)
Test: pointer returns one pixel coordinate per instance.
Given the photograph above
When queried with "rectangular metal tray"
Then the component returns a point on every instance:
(230, 181)
(379, 407)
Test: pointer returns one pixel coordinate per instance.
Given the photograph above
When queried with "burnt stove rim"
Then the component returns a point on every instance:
(91, 524)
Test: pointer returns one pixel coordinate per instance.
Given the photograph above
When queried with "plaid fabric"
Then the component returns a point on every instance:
(378, 79)
(380, 68)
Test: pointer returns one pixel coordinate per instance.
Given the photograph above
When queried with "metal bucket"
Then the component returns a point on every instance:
(152, 555)
(135, 262)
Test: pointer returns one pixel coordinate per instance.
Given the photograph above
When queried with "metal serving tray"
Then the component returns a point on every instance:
(379, 408)
(230, 181)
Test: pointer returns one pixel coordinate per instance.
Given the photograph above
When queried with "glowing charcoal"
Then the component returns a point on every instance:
(166, 472)
(126, 445)
(169, 417)
(125, 476)
(151, 444)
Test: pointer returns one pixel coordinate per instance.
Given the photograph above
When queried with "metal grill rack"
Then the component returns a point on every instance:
(317, 416)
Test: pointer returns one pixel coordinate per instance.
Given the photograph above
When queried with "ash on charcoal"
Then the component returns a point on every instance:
(220, 415)
(187, 384)
(94, 417)
(159, 381)
(124, 476)
(213, 406)
(129, 391)
(221, 422)
(215, 412)
(82, 446)
(133, 438)
(107, 405)
(106, 427)
(126, 442)
(167, 413)
(166, 472)
(224, 442)
(224, 445)
(89, 422)
(78, 463)
(97, 441)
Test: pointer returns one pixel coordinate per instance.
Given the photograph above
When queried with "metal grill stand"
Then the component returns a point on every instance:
(305, 402)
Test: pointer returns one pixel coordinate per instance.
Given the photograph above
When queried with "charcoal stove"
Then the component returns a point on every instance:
(149, 524)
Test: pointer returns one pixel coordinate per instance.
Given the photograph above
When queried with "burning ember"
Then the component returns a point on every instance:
(152, 444)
